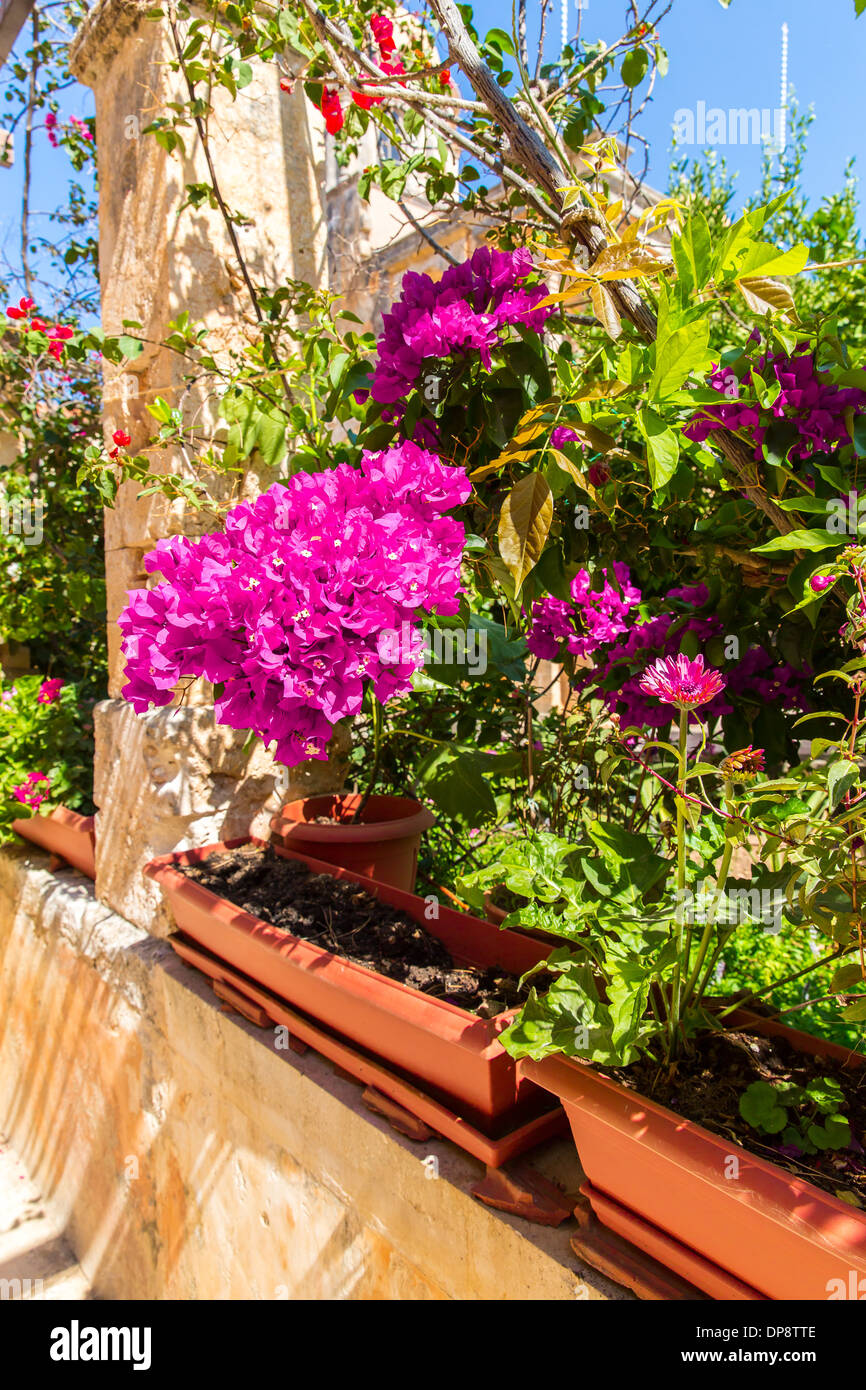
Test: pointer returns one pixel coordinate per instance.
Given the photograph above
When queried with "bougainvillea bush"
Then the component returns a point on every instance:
(46, 748)
(310, 594)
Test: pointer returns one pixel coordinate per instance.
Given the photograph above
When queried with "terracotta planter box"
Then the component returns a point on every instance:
(447, 1048)
(65, 834)
(383, 845)
(663, 1182)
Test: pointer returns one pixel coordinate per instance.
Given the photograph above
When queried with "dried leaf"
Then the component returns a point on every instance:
(763, 292)
(606, 311)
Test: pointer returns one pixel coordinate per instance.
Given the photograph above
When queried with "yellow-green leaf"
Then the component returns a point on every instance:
(524, 523)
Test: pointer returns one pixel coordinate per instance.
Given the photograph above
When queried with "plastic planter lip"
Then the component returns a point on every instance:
(774, 1231)
(382, 845)
(446, 1047)
(64, 833)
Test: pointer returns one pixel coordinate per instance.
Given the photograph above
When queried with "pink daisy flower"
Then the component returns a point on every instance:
(680, 682)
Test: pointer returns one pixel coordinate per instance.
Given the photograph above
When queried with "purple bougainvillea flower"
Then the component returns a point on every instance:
(819, 582)
(468, 310)
(613, 667)
(304, 598)
(807, 397)
(682, 683)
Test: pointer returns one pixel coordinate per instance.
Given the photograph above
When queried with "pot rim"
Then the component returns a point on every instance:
(411, 819)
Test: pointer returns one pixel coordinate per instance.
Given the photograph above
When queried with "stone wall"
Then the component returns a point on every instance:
(172, 779)
(190, 1159)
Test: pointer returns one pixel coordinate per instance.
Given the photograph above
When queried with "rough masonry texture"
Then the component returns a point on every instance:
(176, 779)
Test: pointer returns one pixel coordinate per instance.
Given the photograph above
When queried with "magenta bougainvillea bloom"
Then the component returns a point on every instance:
(819, 582)
(618, 664)
(49, 691)
(680, 682)
(602, 613)
(285, 610)
(807, 397)
(33, 791)
(469, 309)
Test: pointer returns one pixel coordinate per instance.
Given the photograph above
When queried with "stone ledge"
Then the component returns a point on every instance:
(190, 1159)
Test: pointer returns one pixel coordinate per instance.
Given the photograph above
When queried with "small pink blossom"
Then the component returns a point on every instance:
(49, 691)
(31, 792)
(819, 582)
(680, 682)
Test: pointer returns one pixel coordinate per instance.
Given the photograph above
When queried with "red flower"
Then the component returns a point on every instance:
(22, 309)
(383, 33)
(332, 110)
(393, 69)
(445, 77)
(680, 682)
(365, 101)
(55, 349)
(38, 325)
(60, 330)
(286, 86)
(121, 438)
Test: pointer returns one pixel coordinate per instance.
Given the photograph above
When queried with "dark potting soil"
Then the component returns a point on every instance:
(707, 1085)
(343, 918)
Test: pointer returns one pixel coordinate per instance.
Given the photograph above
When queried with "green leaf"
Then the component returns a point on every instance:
(692, 252)
(856, 1012)
(684, 351)
(840, 779)
(797, 540)
(458, 786)
(635, 66)
(663, 447)
(497, 38)
(846, 976)
(760, 1108)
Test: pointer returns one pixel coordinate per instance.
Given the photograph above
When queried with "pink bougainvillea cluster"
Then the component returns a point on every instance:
(284, 610)
(33, 790)
(807, 397)
(49, 691)
(615, 644)
(469, 308)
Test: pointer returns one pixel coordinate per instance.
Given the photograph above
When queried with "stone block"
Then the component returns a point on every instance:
(173, 779)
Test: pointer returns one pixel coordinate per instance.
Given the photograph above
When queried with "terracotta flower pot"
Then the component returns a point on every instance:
(446, 1047)
(732, 1223)
(383, 845)
(64, 833)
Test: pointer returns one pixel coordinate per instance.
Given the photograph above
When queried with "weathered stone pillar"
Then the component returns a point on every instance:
(173, 778)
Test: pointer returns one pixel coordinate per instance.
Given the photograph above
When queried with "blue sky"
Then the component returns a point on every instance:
(731, 58)
(725, 58)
